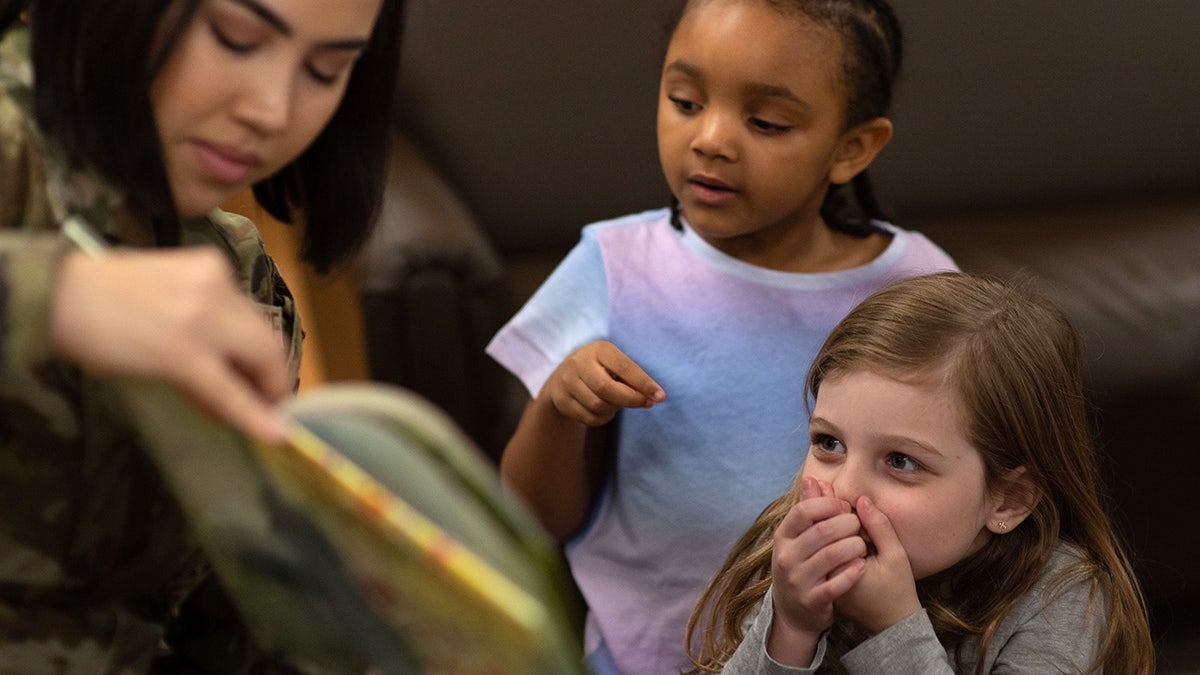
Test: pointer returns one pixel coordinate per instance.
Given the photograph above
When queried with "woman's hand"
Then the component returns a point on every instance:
(174, 315)
(818, 556)
(886, 593)
(597, 380)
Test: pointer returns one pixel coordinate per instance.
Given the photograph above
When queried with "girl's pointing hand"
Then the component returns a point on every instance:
(596, 381)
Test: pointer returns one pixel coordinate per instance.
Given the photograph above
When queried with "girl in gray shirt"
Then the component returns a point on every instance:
(946, 518)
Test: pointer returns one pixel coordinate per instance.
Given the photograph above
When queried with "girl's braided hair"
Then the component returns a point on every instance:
(873, 52)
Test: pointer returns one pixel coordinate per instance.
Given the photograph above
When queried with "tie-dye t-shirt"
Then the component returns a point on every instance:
(730, 343)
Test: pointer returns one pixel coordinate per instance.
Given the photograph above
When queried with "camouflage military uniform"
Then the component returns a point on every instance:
(95, 556)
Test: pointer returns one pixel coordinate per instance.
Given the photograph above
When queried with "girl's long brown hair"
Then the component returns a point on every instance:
(1013, 358)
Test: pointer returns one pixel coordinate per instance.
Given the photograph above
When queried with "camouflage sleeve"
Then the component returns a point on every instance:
(28, 264)
(30, 248)
(259, 276)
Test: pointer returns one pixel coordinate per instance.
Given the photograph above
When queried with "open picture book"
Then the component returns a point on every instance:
(378, 540)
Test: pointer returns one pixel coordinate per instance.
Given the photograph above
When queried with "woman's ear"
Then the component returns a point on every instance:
(858, 148)
(1014, 503)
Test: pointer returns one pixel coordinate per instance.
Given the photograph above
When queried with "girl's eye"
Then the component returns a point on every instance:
(903, 462)
(768, 127)
(233, 44)
(684, 105)
(827, 443)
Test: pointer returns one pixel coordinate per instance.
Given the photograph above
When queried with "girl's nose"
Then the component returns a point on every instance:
(848, 483)
(716, 136)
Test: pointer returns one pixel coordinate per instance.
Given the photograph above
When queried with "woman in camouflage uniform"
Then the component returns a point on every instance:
(147, 115)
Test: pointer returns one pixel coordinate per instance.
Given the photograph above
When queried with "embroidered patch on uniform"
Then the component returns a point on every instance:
(273, 316)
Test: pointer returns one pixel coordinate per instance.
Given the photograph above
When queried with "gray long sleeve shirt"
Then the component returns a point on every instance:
(1052, 629)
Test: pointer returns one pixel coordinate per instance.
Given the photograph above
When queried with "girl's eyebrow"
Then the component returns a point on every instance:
(757, 89)
(908, 444)
(913, 445)
(823, 426)
(683, 67)
(763, 90)
(275, 21)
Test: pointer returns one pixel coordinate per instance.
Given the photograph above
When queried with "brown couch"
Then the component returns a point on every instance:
(1058, 140)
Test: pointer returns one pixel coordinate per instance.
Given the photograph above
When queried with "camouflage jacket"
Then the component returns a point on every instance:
(95, 556)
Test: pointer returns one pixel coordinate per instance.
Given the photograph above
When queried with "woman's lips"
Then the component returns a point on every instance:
(224, 164)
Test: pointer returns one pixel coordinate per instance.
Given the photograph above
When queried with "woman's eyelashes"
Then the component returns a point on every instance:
(242, 45)
(322, 77)
(226, 38)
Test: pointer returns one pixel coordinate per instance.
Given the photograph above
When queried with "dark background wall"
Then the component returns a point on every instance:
(543, 110)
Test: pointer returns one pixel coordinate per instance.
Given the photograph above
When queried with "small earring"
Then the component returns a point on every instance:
(1002, 525)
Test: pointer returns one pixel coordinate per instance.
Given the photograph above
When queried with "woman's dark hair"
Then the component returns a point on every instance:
(873, 42)
(10, 10)
(92, 78)
(338, 182)
(94, 62)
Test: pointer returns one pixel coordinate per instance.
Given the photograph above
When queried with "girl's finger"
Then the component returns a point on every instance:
(879, 528)
(624, 370)
(825, 488)
(809, 488)
(806, 512)
(842, 579)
